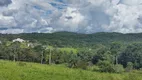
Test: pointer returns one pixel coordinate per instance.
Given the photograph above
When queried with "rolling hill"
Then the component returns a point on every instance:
(70, 39)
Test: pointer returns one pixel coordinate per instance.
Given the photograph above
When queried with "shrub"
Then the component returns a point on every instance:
(118, 68)
(140, 69)
(93, 68)
(105, 66)
(78, 64)
(129, 67)
(82, 65)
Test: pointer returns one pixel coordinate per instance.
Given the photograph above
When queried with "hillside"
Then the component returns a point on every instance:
(69, 39)
(33, 71)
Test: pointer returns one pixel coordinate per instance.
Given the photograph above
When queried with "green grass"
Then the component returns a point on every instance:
(69, 50)
(32, 71)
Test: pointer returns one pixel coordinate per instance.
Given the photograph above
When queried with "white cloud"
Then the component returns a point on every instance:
(85, 16)
(70, 19)
(131, 2)
(12, 31)
(6, 22)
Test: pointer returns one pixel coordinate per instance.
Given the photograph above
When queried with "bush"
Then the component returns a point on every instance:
(118, 68)
(140, 69)
(93, 68)
(75, 61)
(82, 65)
(78, 64)
(129, 67)
(105, 66)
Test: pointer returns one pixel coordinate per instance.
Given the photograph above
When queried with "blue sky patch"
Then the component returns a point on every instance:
(58, 6)
(37, 7)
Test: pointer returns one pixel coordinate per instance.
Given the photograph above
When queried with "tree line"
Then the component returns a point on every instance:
(114, 57)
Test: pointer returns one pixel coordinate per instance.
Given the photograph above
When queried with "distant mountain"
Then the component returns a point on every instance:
(70, 39)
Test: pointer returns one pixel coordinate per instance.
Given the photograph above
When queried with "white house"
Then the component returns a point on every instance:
(18, 40)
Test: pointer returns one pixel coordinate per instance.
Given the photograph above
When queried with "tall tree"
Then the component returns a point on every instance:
(115, 49)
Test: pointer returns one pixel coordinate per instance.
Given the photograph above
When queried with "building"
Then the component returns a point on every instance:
(18, 40)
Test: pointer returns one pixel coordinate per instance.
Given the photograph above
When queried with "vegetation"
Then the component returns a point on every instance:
(108, 52)
(69, 39)
(33, 71)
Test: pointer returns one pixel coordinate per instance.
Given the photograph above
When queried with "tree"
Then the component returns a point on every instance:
(73, 60)
(49, 54)
(1, 51)
(15, 50)
(132, 53)
(115, 49)
(41, 50)
(102, 54)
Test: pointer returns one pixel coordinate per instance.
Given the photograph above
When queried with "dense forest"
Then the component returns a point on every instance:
(69, 39)
(110, 52)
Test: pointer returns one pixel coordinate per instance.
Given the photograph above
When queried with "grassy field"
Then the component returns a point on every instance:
(32, 71)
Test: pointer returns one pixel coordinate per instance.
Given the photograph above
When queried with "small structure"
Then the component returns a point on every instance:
(18, 40)
(30, 45)
(0, 42)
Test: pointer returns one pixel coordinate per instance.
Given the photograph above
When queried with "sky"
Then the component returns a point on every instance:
(82, 16)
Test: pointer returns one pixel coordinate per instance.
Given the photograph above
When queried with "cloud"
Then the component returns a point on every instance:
(5, 2)
(11, 31)
(131, 2)
(83, 16)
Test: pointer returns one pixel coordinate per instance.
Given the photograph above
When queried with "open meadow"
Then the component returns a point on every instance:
(32, 71)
